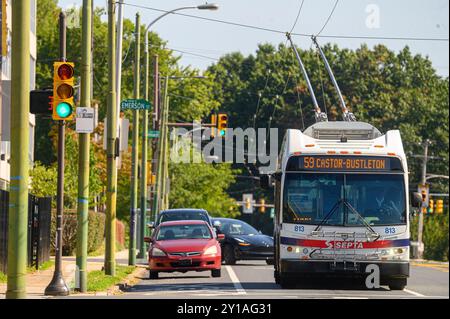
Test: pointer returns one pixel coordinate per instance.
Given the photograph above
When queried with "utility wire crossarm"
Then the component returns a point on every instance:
(348, 116)
(320, 116)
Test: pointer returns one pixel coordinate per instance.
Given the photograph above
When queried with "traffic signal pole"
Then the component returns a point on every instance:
(111, 147)
(18, 201)
(423, 181)
(57, 286)
(134, 151)
(84, 145)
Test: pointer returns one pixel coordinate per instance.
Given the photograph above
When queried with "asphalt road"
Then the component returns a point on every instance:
(255, 280)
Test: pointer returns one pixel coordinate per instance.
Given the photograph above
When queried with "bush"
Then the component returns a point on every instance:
(96, 231)
(435, 236)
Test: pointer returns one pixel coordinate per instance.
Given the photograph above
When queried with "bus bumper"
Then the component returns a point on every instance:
(300, 268)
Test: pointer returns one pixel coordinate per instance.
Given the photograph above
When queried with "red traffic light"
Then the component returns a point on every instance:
(65, 72)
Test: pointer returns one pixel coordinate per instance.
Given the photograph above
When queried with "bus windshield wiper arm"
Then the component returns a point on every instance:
(330, 213)
(366, 224)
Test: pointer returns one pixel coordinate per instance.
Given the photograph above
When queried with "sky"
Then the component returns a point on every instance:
(204, 41)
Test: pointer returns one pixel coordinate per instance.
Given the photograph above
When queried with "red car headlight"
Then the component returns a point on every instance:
(156, 252)
(210, 251)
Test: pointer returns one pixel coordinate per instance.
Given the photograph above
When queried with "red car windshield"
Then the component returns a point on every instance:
(175, 232)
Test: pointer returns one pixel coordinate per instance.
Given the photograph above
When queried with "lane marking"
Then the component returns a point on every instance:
(413, 293)
(235, 280)
(350, 298)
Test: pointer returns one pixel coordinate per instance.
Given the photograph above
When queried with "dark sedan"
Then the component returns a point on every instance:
(243, 242)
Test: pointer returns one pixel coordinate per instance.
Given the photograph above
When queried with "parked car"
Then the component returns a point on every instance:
(181, 246)
(182, 214)
(243, 242)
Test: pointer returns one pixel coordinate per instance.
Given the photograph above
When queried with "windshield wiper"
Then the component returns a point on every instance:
(366, 224)
(329, 214)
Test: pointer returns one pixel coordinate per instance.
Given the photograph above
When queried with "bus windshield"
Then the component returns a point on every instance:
(339, 199)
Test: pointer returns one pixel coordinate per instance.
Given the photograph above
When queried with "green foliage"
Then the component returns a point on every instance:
(3, 277)
(98, 281)
(435, 236)
(96, 231)
(199, 184)
(43, 180)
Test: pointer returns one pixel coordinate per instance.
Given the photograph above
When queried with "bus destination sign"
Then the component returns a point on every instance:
(343, 163)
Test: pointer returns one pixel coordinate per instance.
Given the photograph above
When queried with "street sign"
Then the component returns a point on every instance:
(247, 207)
(153, 134)
(85, 120)
(135, 104)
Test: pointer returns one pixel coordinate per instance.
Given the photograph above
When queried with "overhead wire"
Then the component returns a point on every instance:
(248, 26)
(329, 18)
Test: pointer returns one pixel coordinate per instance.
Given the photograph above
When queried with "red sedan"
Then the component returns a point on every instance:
(187, 245)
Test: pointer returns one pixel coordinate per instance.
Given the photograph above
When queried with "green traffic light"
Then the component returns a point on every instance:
(63, 109)
(222, 132)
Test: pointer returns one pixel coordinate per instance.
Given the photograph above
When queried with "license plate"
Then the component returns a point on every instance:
(185, 262)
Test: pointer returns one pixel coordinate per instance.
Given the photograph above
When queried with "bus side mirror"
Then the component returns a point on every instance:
(416, 199)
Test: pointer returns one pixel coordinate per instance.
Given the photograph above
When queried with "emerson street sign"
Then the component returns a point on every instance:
(135, 104)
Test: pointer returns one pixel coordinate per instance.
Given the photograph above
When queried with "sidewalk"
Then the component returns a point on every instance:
(37, 282)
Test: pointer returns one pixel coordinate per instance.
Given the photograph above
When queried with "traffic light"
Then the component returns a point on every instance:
(248, 203)
(430, 206)
(262, 208)
(439, 206)
(63, 91)
(214, 124)
(424, 198)
(222, 123)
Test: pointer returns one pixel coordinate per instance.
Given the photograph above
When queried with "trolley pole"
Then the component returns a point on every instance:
(111, 147)
(134, 151)
(57, 286)
(84, 145)
(18, 207)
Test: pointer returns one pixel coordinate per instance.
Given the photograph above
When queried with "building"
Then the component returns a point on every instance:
(5, 86)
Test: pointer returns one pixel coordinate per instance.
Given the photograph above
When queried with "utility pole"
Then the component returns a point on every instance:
(134, 150)
(164, 161)
(155, 127)
(423, 181)
(162, 139)
(144, 157)
(111, 147)
(84, 145)
(20, 106)
(57, 286)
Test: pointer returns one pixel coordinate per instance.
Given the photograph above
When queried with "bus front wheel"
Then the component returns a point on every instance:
(397, 283)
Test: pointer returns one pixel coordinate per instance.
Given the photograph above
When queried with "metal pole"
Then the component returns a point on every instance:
(423, 181)
(155, 127)
(20, 104)
(144, 156)
(134, 151)
(119, 57)
(57, 286)
(84, 145)
(112, 149)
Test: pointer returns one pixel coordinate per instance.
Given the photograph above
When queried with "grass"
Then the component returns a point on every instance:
(2, 277)
(98, 281)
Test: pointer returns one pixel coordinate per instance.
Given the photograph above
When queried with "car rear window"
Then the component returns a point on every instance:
(183, 215)
(174, 232)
